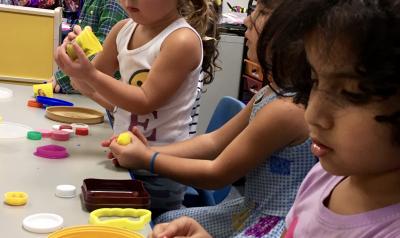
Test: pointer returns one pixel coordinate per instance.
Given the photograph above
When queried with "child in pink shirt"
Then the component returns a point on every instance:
(346, 66)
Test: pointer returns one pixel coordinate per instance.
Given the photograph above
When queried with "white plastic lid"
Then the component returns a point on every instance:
(65, 191)
(43, 222)
(56, 127)
(79, 125)
(5, 94)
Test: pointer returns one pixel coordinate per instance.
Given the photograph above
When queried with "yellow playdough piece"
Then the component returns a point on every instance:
(143, 216)
(15, 198)
(124, 138)
(87, 41)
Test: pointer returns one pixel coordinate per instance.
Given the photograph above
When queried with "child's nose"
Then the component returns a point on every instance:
(317, 113)
(246, 21)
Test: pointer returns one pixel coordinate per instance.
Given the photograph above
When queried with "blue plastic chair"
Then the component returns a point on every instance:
(227, 108)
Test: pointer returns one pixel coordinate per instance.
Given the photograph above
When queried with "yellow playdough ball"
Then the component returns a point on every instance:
(124, 138)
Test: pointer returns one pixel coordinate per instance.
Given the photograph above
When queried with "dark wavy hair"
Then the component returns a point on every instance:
(371, 26)
(202, 16)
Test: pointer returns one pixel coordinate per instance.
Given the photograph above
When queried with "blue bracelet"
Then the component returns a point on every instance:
(152, 160)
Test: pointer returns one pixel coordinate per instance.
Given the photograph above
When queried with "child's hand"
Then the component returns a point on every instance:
(139, 135)
(135, 155)
(107, 143)
(181, 227)
(80, 69)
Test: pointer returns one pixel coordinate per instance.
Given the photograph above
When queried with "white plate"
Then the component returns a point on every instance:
(43, 222)
(5, 94)
(11, 130)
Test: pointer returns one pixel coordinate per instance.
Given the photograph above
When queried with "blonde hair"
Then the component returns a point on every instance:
(201, 15)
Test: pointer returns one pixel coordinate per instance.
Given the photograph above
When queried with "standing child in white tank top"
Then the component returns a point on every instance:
(159, 53)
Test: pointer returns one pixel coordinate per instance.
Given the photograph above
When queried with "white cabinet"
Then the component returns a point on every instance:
(226, 81)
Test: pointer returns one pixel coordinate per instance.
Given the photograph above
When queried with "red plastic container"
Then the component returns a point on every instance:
(107, 193)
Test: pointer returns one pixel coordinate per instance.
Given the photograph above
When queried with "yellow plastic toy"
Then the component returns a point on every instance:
(15, 198)
(143, 216)
(87, 41)
(94, 232)
(124, 138)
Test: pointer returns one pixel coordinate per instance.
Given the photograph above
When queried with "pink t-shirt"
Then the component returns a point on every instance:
(309, 217)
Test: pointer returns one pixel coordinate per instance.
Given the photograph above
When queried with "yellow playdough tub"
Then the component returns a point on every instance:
(95, 231)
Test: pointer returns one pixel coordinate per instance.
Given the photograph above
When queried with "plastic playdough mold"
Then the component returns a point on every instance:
(45, 133)
(124, 138)
(34, 135)
(87, 41)
(143, 217)
(60, 135)
(15, 198)
(51, 152)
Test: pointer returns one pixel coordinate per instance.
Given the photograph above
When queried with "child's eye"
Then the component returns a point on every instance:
(356, 98)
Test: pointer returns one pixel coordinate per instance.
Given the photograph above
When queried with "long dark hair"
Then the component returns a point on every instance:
(371, 26)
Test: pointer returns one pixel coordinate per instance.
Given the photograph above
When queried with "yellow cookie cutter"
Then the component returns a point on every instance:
(124, 138)
(15, 198)
(144, 216)
(87, 41)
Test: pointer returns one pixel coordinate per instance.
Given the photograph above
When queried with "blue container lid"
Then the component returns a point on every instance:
(52, 101)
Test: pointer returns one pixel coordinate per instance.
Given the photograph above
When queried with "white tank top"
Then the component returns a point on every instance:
(171, 122)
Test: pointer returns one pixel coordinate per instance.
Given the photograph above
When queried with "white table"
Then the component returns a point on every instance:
(20, 170)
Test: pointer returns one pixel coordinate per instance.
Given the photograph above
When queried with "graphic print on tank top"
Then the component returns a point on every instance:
(137, 79)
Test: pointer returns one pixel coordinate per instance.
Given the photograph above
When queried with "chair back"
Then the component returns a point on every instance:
(226, 109)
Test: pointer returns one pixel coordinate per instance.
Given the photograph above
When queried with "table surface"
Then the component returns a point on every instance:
(20, 170)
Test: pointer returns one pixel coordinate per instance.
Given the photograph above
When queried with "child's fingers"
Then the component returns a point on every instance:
(79, 52)
(77, 29)
(115, 162)
(139, 135)
(158, 231)
(61, 57)
(106, 143)
(70, 37)
(115, 148)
